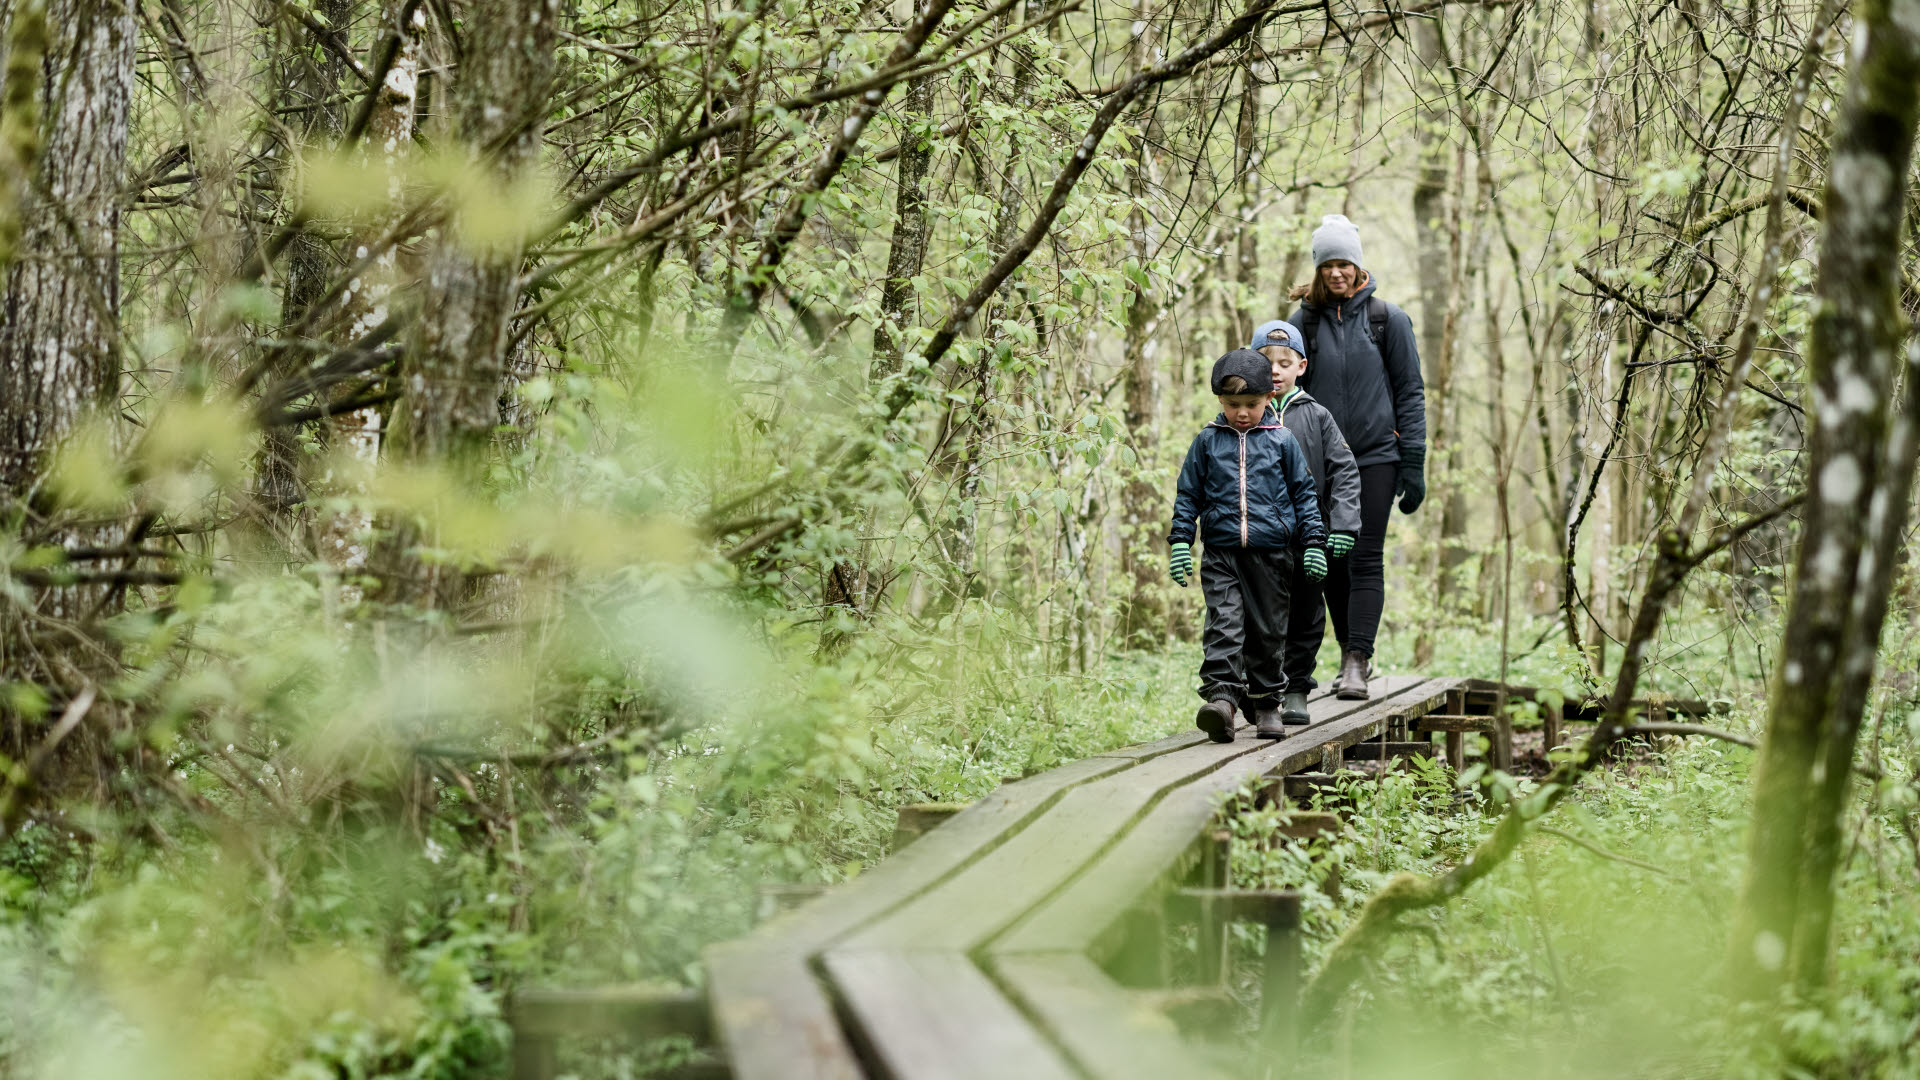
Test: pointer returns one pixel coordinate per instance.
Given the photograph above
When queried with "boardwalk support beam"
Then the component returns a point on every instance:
(540, 1017)
(1279, 912)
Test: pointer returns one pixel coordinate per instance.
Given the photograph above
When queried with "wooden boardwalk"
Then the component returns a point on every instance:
(986, 948)
(1026, 935)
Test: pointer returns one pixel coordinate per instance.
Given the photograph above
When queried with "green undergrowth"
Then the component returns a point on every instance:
(1597, 949)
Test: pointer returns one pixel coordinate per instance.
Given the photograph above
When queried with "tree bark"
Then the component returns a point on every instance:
(26, 38)
(1245, 175)
(457, 362)
(1143, 621)
(1861, 455)
(907, 252)
(966, 424)
(58, 354)
(279, 490)
(365, 303)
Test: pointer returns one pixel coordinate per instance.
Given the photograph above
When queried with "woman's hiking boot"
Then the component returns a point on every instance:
(1267, 722)
(1294, 709)
(1354, 672)
(1216, 719)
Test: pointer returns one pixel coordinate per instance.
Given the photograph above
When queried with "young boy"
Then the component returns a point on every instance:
(1247, 490)
(1335, 477)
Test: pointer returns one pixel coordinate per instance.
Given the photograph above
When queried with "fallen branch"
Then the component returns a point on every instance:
(1663, 727)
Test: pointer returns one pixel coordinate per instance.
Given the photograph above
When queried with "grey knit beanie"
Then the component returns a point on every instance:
(1336, 238)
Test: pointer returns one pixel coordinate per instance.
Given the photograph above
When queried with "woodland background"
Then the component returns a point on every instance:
(487, 484)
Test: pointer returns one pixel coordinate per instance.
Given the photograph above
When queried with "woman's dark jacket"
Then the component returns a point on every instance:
(1248, 489)
(1374, 394)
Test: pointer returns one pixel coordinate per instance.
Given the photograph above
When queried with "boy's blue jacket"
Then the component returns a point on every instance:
(1250, 489)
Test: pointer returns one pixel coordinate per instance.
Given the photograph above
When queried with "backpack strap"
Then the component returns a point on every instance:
(1376, 322)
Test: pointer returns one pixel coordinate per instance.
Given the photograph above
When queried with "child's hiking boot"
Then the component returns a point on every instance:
(1267, 723)
(1294, 709)
(1354, 673)
(1216, 719)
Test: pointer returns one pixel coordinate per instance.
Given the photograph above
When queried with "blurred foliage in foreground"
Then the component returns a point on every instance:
(340, 835)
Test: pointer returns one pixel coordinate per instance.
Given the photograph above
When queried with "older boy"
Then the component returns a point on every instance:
(1246, 488)
(1335, 477)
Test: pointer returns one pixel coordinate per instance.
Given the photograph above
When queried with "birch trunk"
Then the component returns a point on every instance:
(1143, 621)
(1861, 454)
(58, 352)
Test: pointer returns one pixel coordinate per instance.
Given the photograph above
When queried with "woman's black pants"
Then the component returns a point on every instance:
(1355, 590)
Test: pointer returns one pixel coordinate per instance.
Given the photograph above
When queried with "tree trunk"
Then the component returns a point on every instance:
(1430, 190)
(907, 252)
(20, 134)
(1861, 455)
(342, 537)
(58, 352)
(1247, 254)
(279, 490)
(1143, 621)
(59, 359)
(457, 362)
(968, 423)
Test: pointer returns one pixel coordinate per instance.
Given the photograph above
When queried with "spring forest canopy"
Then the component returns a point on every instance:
(490, 488)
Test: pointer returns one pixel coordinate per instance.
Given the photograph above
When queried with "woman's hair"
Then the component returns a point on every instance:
(1234, 384)
(1315, 292)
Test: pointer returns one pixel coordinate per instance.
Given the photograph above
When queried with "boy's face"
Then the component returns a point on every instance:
(1288, 366)
(1243, 410)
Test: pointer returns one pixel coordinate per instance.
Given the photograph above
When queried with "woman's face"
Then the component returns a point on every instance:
(1340, 276)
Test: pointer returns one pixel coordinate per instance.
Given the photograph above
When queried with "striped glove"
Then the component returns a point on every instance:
(1338, 544)
(1315, 561)
(1180, 564)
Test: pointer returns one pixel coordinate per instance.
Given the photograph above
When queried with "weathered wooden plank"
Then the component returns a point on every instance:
(642, 1012)
(915, 820)
(967, 909)
(1084, 913)
(1388, 751)
(770, 1014)
(1264, 906)
(1111, 1031)
(1444, 722)
(936, 1016)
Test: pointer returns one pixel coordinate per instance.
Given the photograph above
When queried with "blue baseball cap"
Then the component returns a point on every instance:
(1278, 332)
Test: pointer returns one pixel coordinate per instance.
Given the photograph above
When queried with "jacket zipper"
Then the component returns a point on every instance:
(1243, 486)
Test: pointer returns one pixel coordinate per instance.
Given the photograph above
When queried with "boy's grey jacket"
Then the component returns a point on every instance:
(1247, 489)
(1335, 476)
(1375, 395)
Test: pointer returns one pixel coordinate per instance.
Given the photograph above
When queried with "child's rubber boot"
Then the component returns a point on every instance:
(1294, 709)
(1216, 719)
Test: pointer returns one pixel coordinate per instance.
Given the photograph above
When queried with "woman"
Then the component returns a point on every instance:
(1364, 368)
